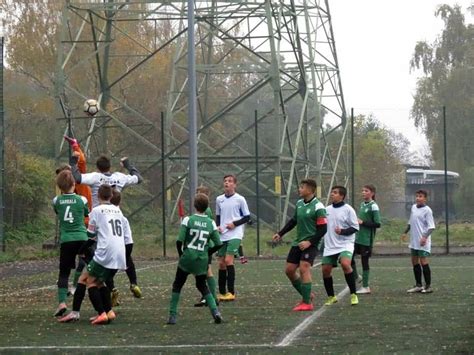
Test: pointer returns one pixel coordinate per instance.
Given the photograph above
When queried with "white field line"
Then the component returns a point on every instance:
(36, 289)
(300, 328)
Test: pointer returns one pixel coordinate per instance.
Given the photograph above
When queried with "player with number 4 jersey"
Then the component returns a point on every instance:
(71, 210)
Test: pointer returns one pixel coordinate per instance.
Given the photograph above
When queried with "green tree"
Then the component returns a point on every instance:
(379, 157)
(448, 80)
(29, 188)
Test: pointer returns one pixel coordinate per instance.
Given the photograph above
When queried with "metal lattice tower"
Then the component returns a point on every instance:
(276, 58)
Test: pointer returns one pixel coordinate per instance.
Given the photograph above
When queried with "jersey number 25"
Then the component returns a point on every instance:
(199, 240)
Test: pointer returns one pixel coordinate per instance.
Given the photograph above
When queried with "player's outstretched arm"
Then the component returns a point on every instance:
(125, 162)
(73, 160)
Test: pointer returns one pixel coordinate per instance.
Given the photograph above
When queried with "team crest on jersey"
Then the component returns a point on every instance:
(308, 211)
(306, 256)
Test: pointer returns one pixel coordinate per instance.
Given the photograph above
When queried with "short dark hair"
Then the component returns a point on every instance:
(341, 190)
(311, 183)
(201, 202)
(232, 176)
(105, 192)
(371, 188)
(201, 189)
(422, 192)
(116, 197)
(63, 167)
(103, 164)
(65, 180)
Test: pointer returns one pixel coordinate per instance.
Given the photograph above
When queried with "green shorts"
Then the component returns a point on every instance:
(230, 247)
(334, 259)
(99, 272)
(420, 253)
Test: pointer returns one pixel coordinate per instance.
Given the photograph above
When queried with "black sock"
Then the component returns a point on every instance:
(351, 282)
(79, 295)
(110, 283)
(231, 278)
(106, 299)
(354, 267)
(96, 299)
(222, 281)
(328, 285)
(131, 273)
(417, 272)
(427, 275)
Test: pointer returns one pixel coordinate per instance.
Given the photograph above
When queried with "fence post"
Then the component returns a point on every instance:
(446, 204)
(257, 189)
(163, 182)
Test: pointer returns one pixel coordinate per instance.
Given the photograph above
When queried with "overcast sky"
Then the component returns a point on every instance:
(375, 41)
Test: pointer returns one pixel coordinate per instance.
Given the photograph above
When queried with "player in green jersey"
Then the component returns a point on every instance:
(193, 248)
(369, 221)
(71, 210)
(310, 220)
(211, 281)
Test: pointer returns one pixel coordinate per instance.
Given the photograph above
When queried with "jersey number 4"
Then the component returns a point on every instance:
(199, 240)
(68, 217)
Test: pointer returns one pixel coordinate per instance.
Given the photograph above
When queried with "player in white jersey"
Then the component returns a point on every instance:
(104, 176)
(128, 239)
(420, 226)
(342, 224)
(232, 213)
(108, 252)
(107, 223)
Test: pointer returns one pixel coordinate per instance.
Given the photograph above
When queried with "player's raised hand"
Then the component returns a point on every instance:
(123, 162)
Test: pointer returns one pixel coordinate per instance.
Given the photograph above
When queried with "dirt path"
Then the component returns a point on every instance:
(26, 268)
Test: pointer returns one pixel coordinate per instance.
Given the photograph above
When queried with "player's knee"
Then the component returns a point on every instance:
(326, 269)
(346, 266)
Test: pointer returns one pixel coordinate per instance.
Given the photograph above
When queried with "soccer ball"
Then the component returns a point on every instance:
(91, 107)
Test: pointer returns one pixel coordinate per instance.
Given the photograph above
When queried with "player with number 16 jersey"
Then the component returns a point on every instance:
(107, 222)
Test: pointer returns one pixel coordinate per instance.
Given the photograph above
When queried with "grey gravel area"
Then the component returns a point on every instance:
(25, 268)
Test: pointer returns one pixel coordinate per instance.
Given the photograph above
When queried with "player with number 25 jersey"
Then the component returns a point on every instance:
(195, 233)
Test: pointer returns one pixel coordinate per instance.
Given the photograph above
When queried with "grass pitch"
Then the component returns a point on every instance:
(260, 321)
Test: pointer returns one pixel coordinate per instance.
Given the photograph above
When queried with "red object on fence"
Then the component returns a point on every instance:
(181, 211)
